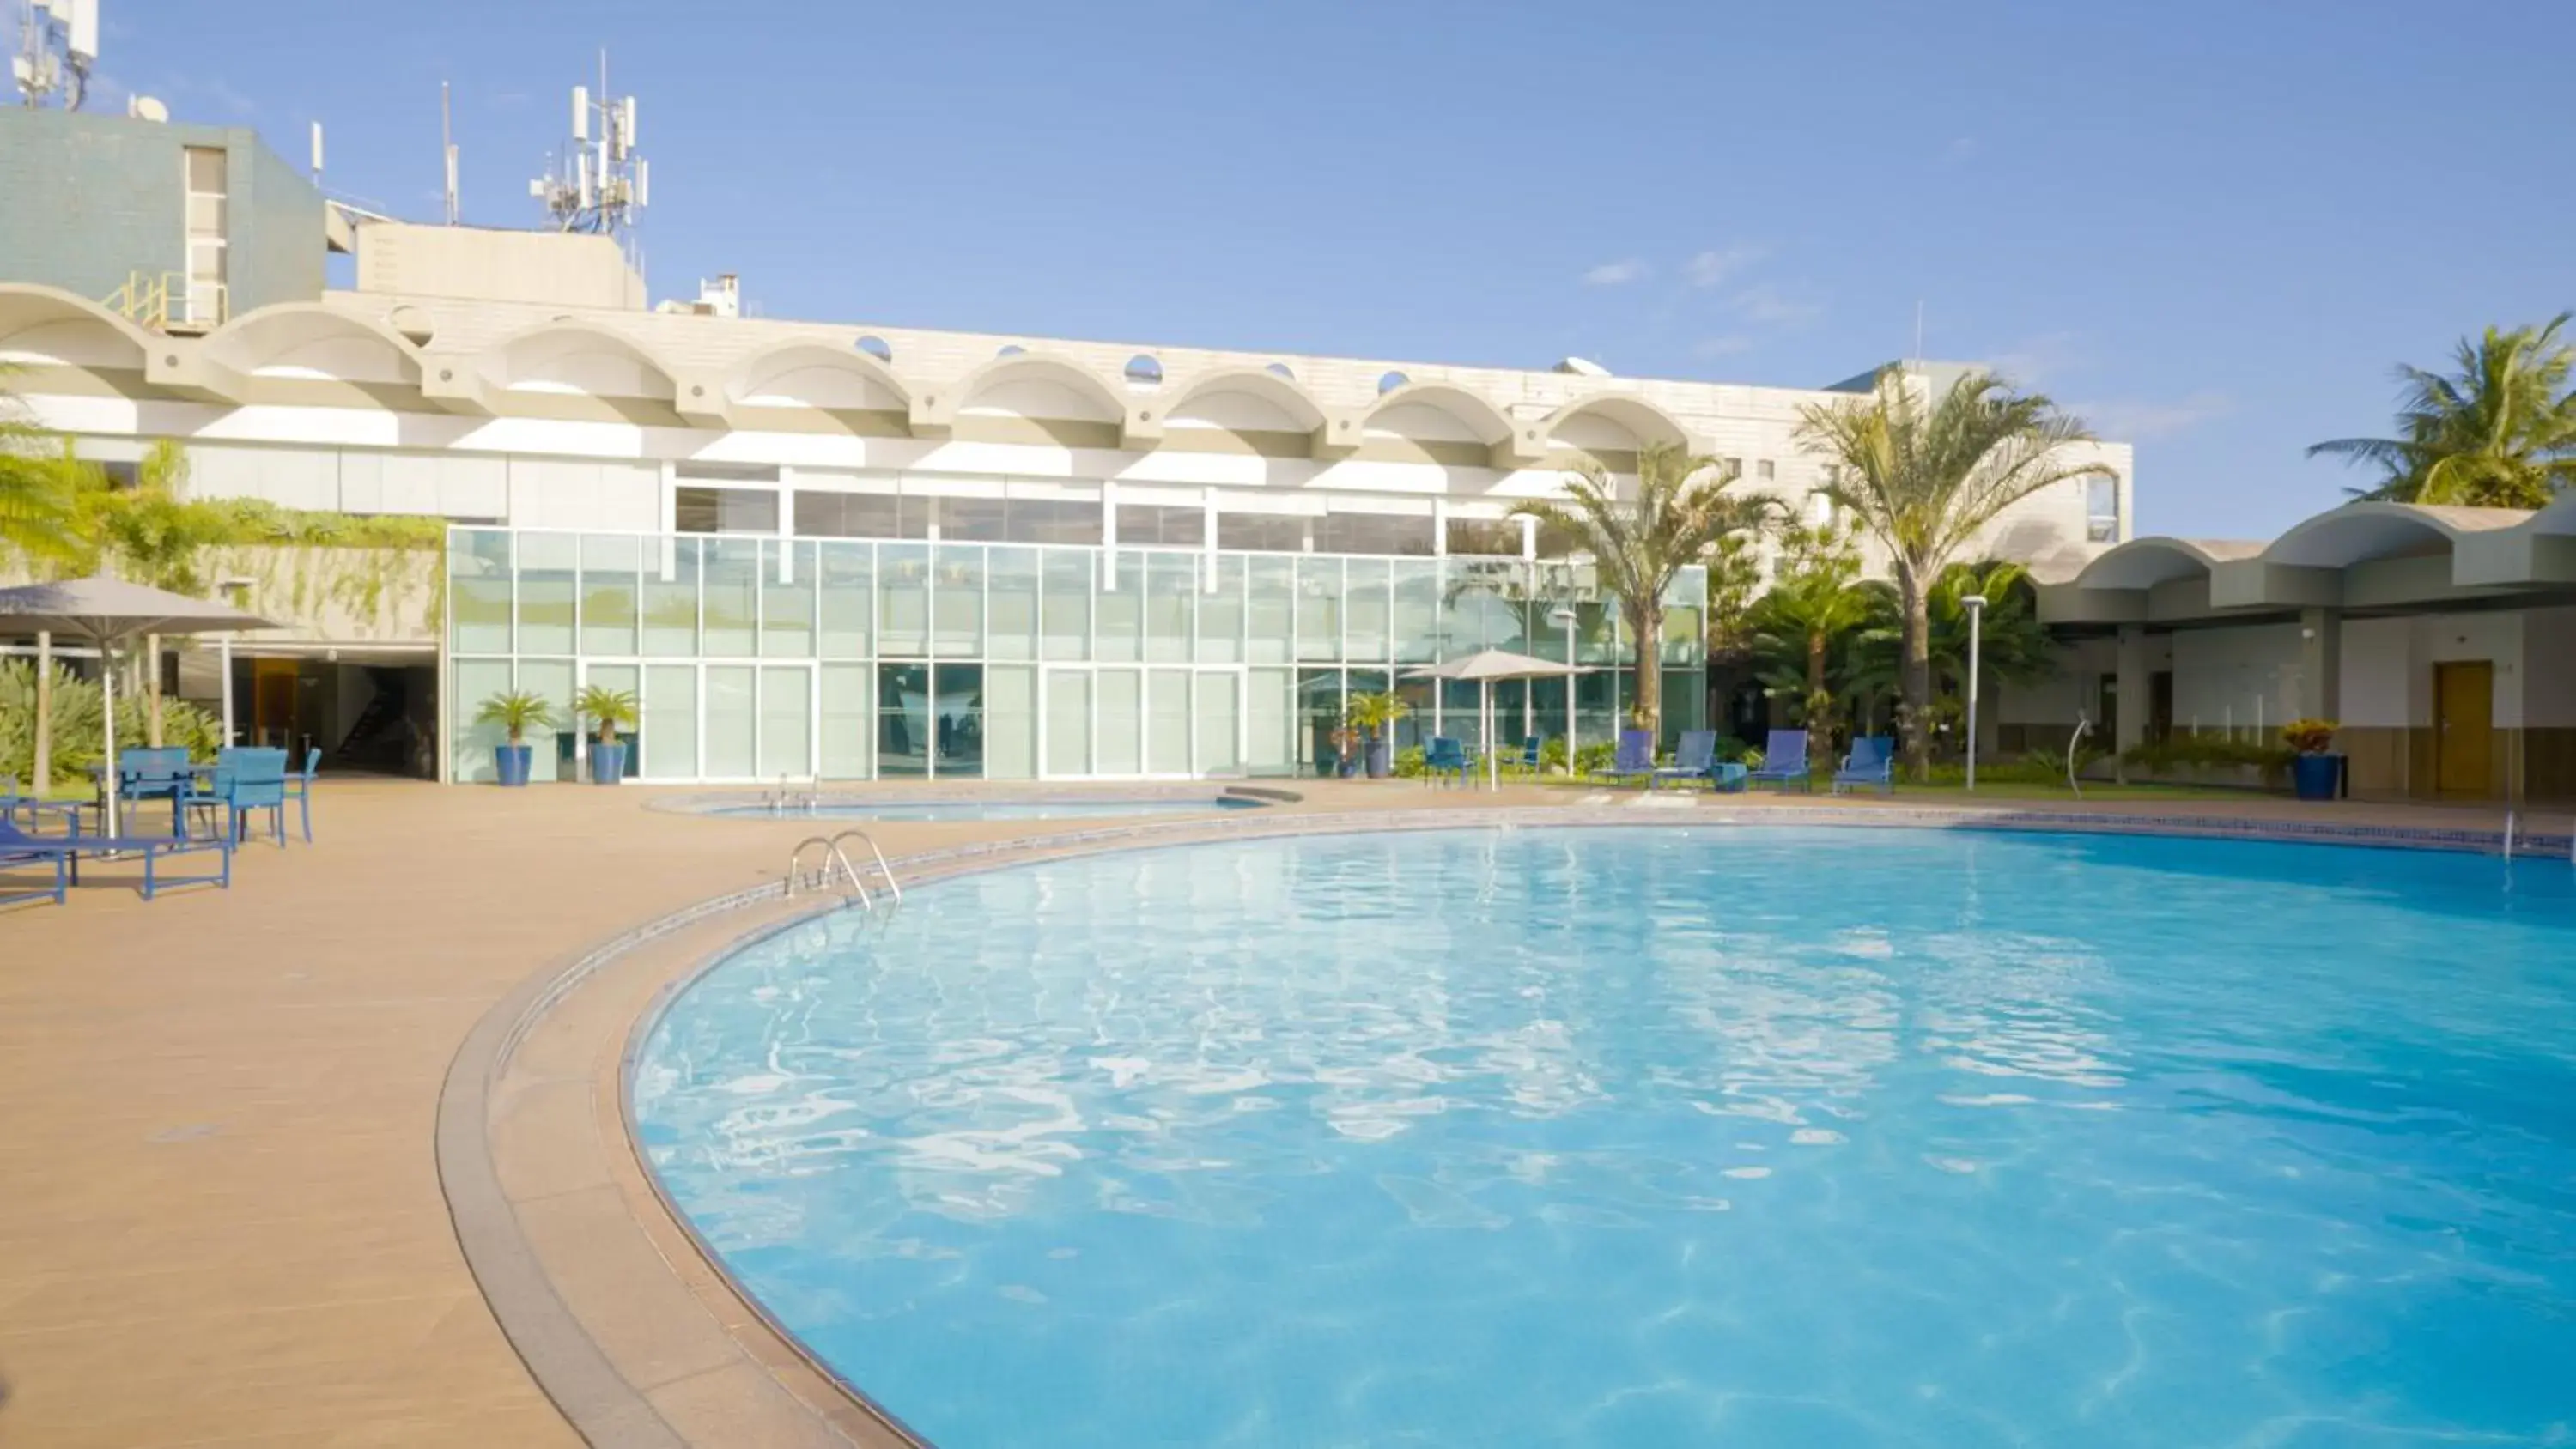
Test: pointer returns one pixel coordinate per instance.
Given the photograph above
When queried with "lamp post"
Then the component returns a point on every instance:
(1976, 606)
(231, 590)
(1563, 617)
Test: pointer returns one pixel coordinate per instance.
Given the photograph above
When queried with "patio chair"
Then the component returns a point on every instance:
(1532, 746)
(19, 849)
(1784, 759)
(1446, 756)
(158, 774)
(247, 779)
(1696, 759)
(1635, 759)
(1872, 761)
(299, 788)
(37, 811)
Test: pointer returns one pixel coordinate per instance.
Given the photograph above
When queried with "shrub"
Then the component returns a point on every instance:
(2181, 753)
(1551, 756)
(1731, 749)
(2308, 736)
(1410, 763)
(1591, 759)
(75, 723)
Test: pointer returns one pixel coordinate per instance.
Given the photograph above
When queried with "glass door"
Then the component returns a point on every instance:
(1217, 720)
(1064, 726)
(787, 721)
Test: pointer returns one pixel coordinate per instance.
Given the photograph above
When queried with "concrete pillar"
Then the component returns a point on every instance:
(2134, 687)
(2321, 664)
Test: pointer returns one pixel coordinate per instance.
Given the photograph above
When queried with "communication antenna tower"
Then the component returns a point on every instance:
(597, 183)
(57, 47)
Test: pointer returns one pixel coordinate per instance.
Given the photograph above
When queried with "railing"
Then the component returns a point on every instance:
(171, 302)
(835, 862)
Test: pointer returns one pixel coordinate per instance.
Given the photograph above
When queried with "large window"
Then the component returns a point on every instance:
(1377, 533)
(1161, 525)
(2101, 510)
(853, 515)
(700, 509)
(1261, 532)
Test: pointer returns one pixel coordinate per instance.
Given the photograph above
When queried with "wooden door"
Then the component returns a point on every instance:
(2464, 727)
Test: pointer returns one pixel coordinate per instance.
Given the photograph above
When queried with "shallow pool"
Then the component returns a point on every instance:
(1646, 1137)
(987, 809)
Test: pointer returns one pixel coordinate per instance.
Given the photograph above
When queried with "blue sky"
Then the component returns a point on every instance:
(2212, 228)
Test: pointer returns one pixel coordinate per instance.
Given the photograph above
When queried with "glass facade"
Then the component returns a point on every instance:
(761, 657)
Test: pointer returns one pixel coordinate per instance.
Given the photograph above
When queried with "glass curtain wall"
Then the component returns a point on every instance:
(756, 657)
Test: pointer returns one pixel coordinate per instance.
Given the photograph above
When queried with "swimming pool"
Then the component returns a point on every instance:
(1661, 1136)
(855, 809)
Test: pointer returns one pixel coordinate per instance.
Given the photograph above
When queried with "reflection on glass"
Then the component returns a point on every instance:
(608, 593)
(1221, 613)
(1011, 588)
(1271, 610)
(1217, 710)
(848, 722)
(1319, 608)
(786, 722)
(1119, 608)
(903, 721)
(733, 727)
(669, 743)
(1366, 610)
(1319, 713)
(1010, 721)
(903, 599)
(1270, 745)
(1068, 723)
(546, 565)
(1067, 606)
(731, 607)
(1167, 721)
(787, 599)
(1120, 736)
(1171, 589)
(1417, 612)
(957, 603)
(671, 598)
(957, 724)
(845, 575)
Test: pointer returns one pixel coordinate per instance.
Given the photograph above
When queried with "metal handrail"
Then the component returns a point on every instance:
(832, 857)
(2072, 741)
(883, 867)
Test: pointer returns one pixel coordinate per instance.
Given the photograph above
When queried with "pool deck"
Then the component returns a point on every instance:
(221, 1213)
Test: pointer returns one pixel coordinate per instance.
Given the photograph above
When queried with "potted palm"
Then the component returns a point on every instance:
(1375, 716)
(2314, 769)
(606, 709)
(515, 710)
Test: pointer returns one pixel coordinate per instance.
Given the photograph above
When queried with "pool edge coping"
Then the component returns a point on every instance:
(601, 1401)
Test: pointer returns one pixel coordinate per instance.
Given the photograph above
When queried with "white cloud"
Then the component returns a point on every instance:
(1615, 274)
(1719, 263)
(2036, 362)
(2126, 420)
(1726, 346)
(1765, 306)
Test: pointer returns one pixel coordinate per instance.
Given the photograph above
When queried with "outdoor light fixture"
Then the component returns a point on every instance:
(1562, 617)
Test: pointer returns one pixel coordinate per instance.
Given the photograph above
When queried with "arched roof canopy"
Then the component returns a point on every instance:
(306, 340)
(1039, 385)
(1401, 412)
(2360, 532)
(2143, 563)
(1196, 397)
(47, 326)
(2558, 517)
(811, 372)
(1643, 421)
(578, 358)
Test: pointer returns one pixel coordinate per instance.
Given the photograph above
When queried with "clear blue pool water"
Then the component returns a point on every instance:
(991, 809)
(1662, 1137)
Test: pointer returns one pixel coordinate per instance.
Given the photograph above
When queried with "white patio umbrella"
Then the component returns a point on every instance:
(105, 611)
(1486, 666)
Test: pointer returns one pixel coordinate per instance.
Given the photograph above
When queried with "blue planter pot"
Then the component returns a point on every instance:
(513, 762)
(607, 763)
(1381, 758)
(2316, 775)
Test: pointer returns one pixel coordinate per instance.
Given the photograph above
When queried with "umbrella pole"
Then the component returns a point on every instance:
(1493, 762)
(107, 700)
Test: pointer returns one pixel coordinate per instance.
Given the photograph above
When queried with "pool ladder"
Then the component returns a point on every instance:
(834, 864)
(784, 799)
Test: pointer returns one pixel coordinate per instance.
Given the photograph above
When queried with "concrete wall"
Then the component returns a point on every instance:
(2242, 679)
(86, 200)
(510, 266)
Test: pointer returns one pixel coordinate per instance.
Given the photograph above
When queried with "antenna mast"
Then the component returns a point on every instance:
(598, 182)
(57, 46)
(447, 150)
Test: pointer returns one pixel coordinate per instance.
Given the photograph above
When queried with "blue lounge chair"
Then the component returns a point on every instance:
(299, 788)
(1872, 761)
(1783, 759)
(1532, 746)
(1635, 759)
(1446, 756)
(64, 852)
(1696, 759)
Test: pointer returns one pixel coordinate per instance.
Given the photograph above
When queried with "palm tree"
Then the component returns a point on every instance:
(36, 493)
(1810, 607)
(2014, 647)
(1923, 479)
(1639, 546)
(2500, 433)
